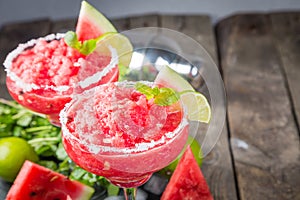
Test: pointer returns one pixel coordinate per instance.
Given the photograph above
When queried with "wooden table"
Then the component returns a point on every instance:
(258, 154)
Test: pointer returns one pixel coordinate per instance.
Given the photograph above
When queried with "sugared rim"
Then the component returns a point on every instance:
(139, 148)
(27, 87)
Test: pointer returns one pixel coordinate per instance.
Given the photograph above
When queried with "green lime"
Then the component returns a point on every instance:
(13, 152)
(196, 149)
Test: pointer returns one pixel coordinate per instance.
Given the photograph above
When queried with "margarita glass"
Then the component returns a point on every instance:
(113, 131)
(44, 73)
(105, 134)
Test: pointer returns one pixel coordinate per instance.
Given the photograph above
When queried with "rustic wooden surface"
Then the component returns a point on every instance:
(259, 72)
(286, 34)
(258, 153)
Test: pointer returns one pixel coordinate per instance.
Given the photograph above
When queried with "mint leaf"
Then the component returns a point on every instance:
(88, 47)
(85, 48)
(162, 96)
(146, 90)
(166, 97)
(72, 40)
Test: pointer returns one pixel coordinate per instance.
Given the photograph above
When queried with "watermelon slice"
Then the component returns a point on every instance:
(187, 181)
(37, 182)
(91, 23)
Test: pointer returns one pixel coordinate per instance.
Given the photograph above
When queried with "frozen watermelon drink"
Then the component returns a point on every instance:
(117, 132)
(43, 73)
(43, 77)
(125, 131)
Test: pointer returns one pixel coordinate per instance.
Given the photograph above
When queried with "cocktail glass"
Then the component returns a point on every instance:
(130, 167)
(104, 132)
(46, 90)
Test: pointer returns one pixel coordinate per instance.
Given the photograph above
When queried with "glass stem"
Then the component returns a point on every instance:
(130, 193)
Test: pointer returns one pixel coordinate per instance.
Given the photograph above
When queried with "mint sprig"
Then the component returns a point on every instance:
(162, 96)
(86, 47)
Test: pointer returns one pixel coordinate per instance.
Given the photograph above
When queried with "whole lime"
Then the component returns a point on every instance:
(196, 149)
(13, 152)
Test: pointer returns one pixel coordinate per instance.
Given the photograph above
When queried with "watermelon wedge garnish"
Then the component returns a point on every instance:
(35, 182)
(91, 23)
(187, 181)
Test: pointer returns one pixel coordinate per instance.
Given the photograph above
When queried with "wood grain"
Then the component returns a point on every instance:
(286, 33)
(121, 24)
(264, 136)
(62, 26)
(199, 27)
(144, 21)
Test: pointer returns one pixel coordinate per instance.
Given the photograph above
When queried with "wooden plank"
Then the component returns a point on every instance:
(124, 24)
(264, 136)
(197, 27)
(62, 26)
(144, 21)
(121, 24)
(286, 32)
(13, 34)
(217, 166)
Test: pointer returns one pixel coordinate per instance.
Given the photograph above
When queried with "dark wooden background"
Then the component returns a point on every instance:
(258, 154)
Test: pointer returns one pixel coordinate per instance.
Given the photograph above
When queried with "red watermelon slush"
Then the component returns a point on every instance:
(115, 132)
(43, 73)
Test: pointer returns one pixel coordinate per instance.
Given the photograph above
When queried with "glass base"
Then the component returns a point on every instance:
(130, 193)
(130, 182)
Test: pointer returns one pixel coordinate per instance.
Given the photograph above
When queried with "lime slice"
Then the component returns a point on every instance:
(197, 106)
(118, 42)
(196, 103)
